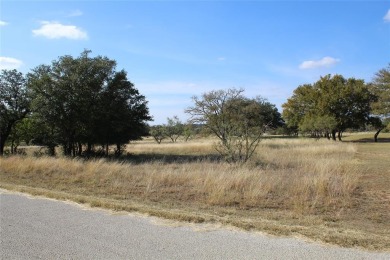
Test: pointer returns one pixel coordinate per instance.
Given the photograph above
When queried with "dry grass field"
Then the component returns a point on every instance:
(334, 192)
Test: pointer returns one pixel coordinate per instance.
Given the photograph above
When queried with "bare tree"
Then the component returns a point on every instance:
(237, 121)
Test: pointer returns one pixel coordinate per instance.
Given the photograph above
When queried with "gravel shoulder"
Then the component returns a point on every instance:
(39, 228)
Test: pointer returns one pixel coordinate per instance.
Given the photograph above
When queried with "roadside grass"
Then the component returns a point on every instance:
(374, 183)
(302, 187)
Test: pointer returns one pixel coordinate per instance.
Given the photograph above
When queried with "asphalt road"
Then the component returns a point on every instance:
(38, 228)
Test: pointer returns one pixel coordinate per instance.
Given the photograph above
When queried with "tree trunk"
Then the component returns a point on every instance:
(12, 147)
(334, 135)
(2, 143)
(73, 149)
(4, 136)
(52, 150)
(339, 134)
(51, 147)
(376, 134)
(89, 149)
(118, 151)
(80, 148)
(67, 148)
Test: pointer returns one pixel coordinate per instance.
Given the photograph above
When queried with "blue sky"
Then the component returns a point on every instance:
(173, 50)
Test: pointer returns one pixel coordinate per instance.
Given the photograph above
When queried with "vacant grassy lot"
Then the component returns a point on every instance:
(336, 192)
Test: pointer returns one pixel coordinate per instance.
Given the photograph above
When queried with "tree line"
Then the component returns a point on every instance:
(82, 104)
(85, 105)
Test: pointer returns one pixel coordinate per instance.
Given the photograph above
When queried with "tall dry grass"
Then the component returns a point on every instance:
(294, 174)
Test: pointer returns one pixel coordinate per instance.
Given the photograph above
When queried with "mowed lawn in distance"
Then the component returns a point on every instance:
(335, 192)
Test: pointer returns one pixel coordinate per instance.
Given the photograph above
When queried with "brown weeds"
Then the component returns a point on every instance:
(319, 189)
(300, 175)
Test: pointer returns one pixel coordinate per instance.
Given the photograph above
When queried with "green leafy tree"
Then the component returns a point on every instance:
(238, 122)
(158, 133)
(285, 131)
(14, 140)
(14, 103)
(174, 128)
(318, 126)
(188, 131)
(22, 131)
(307, 125)
(25, 129)
(44, 134)
(380, 87)
(344, 102)
(125, 113)
(301, 104)
(325, 125)
(84, 101)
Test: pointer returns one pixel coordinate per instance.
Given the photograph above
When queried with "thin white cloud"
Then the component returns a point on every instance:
(221, 58)
(324, 62)
(55, 30)
(8, 63)
(75, 13)
(3, 23)
(387, 16)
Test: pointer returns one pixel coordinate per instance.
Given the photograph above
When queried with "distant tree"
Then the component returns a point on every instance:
(345, 103)
(22, 131)
(174, 128)
(158, 133)
(14, 103)
(188, 131)
(301, 104)
(237, 121)
(380, 87)
(285, 131)
(318, 126)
